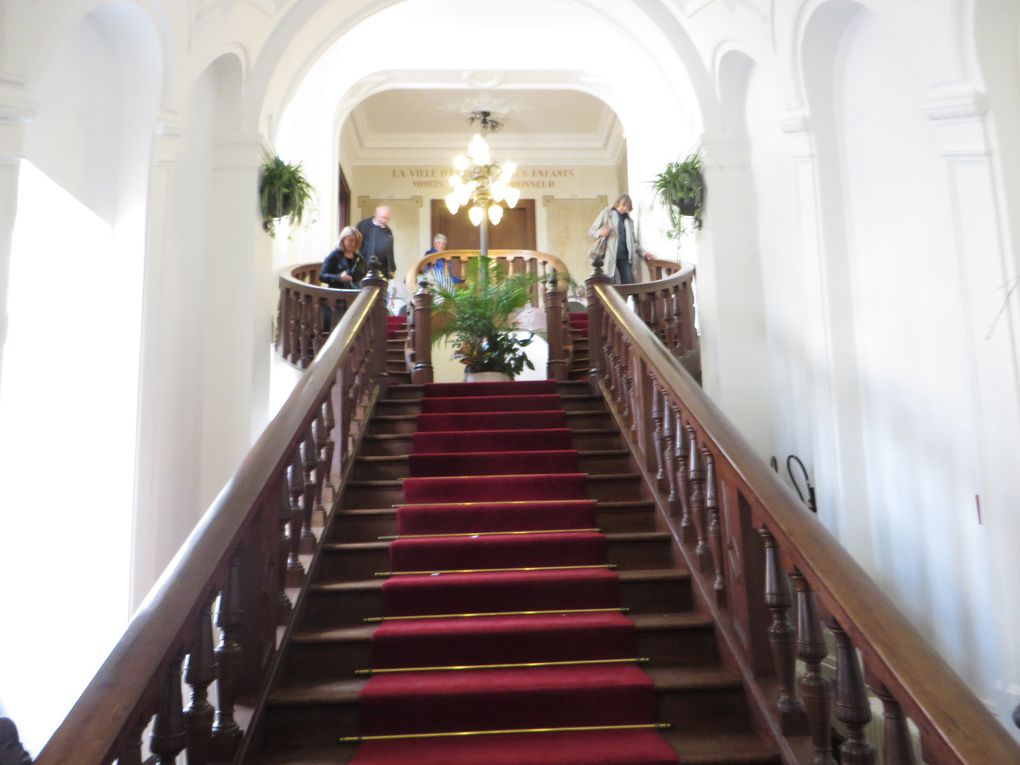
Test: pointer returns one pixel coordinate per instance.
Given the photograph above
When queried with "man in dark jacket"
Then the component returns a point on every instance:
(378, 240)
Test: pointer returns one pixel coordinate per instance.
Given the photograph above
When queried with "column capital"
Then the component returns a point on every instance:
(958, 116)
(16, 111)
(723, 149)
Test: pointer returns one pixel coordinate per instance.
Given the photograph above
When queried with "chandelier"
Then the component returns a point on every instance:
(480, 184)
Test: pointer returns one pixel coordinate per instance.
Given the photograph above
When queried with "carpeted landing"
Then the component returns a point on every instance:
(498, 563)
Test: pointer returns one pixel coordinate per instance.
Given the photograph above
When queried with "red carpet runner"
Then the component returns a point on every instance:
(490, 461)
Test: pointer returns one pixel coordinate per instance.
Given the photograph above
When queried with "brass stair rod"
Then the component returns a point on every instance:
(377, 619)
(392, 537)
(609, 566)
(519, 665)
(571, 729)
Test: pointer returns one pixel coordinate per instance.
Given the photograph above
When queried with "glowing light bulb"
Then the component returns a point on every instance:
(460, 163)
(512, 195)
(451, 203)
(479, 151)
(509, 168)
(495, 214)
(476, 214)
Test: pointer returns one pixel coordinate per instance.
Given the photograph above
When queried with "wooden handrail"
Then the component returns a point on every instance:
(247, 541)
(722, 497)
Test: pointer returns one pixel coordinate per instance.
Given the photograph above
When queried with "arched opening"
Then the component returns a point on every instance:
(69, 392)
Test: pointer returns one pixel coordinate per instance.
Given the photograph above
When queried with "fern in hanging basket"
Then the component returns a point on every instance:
(681, 188)
(284, 192)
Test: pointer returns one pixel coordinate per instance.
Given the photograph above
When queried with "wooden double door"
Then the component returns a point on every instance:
(515, 232)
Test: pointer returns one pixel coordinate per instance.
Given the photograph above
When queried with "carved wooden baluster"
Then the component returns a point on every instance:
(167, 739)
(612, 367)
(852, 707)
(696, 479)
(131, 747)
(660, 461)
(421, 308)
(199, 673)
(897, 748)
(781, 638)
(283, 604)
(295, 326)
(683, 483)
(307, 330)
(229, 659)
(669, 453)
(630, 406)
(295, 487)
(308, 463)
(330, 424)
(815, 687)
(714, 527)
(319, 446)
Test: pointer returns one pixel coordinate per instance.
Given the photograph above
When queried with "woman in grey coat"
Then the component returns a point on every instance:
(623, 251)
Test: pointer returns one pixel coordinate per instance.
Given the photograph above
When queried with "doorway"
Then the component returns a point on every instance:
(515, 232)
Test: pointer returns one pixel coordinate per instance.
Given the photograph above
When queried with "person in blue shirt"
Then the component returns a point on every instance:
(437, 269)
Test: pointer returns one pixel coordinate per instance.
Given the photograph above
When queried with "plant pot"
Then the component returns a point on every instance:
(486, 376)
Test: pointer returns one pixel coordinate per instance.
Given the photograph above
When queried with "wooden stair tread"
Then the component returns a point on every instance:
(692, 678)
(655, 537)
(627, 576)
(691, 749)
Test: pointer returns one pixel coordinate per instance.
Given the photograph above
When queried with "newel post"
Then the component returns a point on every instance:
(556, 368)
(11, 750)
(376, 278)
(596, 342)
(421, 305)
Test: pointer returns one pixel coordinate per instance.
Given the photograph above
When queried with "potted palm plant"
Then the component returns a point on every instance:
(284, 192)
(681, 188)
(478, 318)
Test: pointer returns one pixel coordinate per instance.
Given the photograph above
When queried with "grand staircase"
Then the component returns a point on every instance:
(518, 501)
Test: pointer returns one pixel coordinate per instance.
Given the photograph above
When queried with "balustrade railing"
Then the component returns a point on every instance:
(746, 538)
(233, 572)
(666, 304)
(307, 313)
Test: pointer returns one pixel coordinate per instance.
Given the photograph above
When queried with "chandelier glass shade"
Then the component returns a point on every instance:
(481, 184)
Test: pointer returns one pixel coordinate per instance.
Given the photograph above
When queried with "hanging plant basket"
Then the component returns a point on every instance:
(680, 187)
(284, 192)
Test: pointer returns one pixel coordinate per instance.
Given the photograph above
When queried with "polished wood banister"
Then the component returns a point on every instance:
(127, 686)
(955, 727)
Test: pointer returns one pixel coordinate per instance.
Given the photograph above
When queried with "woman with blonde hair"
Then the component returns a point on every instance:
(345, 267)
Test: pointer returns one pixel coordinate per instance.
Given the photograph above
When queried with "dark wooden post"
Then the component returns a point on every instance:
(687, 534)
(815, 688)
(319, 447)
(596, 342)
(199, 673)
(657, 416)
(167, 739)
(714, 528)
(229, 659)
(696, 478)
(130, 750)
(781, 639)
(897, 748)
(330, 422)
(643, 392)
(669, 421)
(376, 278)
(421, 307)
(852, 707)
(283, 604)
(556, 367)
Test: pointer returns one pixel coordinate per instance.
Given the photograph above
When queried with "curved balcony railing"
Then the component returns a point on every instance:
(307, 312)
(666, 305)
(754, 550)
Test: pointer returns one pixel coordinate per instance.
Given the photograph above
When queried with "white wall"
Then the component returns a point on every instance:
(68, 395)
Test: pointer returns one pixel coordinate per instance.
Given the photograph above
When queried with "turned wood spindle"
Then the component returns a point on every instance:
(696, 479)
(319, 446)
(308, 463)
(815, 687)
(283, 604)
(897, 747)
(657, 436)
(782, 639)
(669, 454)
(168, 739)
(330, 425)
(229, 658)
(295, 488)
(199, 672)
(852, 707)
(687, 534)
(714, 527)
(131, 747)
(307, 329)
